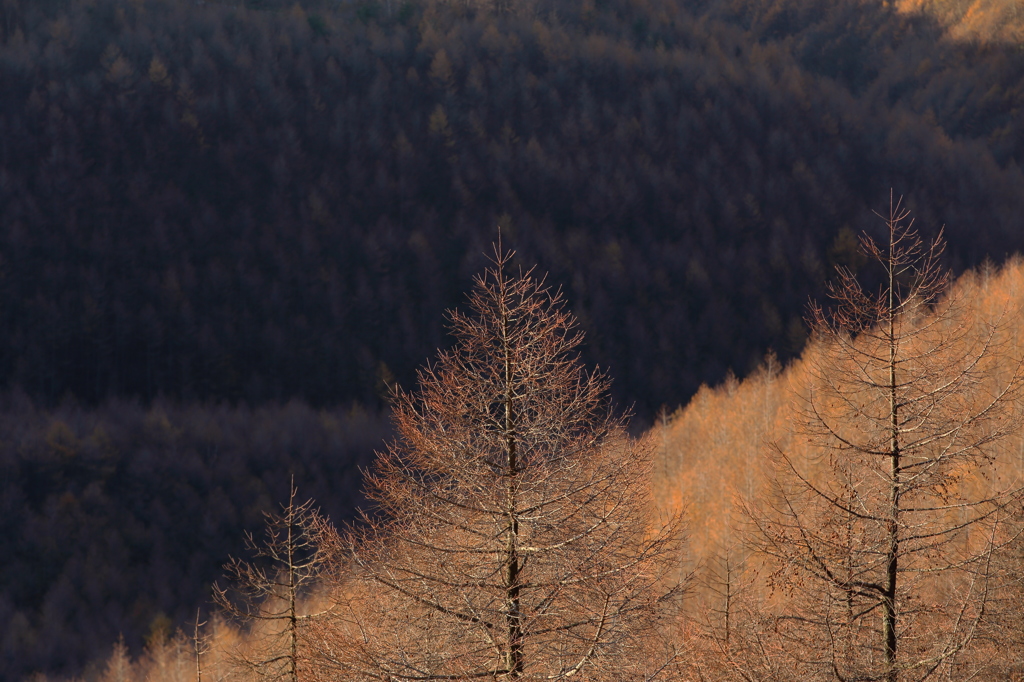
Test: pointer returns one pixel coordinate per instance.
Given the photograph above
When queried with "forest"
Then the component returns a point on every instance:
(223, 202)
(228, 229)
(857, 524)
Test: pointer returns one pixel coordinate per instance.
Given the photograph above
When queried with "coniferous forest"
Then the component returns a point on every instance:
(228, 231)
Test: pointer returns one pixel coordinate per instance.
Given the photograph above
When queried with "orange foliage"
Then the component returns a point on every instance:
(997, 21)
(714, 452)
(711, 458)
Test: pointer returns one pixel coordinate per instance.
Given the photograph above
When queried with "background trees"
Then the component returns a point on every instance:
(517, 537)
(883, 532)
(118, 519)
(202, 226)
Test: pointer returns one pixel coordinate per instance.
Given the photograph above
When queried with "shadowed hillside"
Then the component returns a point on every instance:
(219, 202)
(116, 520)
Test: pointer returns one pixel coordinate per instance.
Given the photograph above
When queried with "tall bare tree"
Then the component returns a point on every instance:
(884, 527)
(513, 536)
(266, 594)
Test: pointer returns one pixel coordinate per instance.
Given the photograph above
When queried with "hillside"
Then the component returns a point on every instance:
(224, 203)
(718, 454)
(222, 208)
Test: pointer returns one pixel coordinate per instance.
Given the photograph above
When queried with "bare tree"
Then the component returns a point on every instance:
(267, 594)
(883, 528)
(513, 536)
(200, 646)
(725, 581)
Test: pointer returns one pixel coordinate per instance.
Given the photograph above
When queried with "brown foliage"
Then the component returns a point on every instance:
(517, 539)
(882, 533)
(267, 597)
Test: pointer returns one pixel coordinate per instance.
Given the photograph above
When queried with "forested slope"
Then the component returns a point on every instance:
(213, 202)
(718, 460)
(254, 202)
(117, 520)
(721, 458)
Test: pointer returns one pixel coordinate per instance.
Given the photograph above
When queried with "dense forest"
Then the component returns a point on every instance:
(728, 458)
(221, 202)
(116, 521)
(219, 221)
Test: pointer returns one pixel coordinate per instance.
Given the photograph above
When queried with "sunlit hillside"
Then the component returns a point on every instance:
(998, 21)
(717, 451)
(714, 460)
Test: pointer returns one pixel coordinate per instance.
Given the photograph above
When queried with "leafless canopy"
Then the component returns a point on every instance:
(884, 522)
(518, 541)
(266, 595)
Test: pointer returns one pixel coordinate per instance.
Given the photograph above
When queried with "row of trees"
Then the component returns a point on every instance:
(515, 535)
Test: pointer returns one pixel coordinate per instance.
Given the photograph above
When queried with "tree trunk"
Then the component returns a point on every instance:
(513, 611)
(892, 528)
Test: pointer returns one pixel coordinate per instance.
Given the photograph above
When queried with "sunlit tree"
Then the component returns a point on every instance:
(884, 526)
(513, 536)
(266, 595)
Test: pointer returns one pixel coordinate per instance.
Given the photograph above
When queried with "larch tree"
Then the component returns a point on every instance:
(266, 595)
(883, 526)
(513, 535)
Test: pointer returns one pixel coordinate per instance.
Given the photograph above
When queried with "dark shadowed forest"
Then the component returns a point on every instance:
(212, 202)
(117, 520)
(219, 221)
